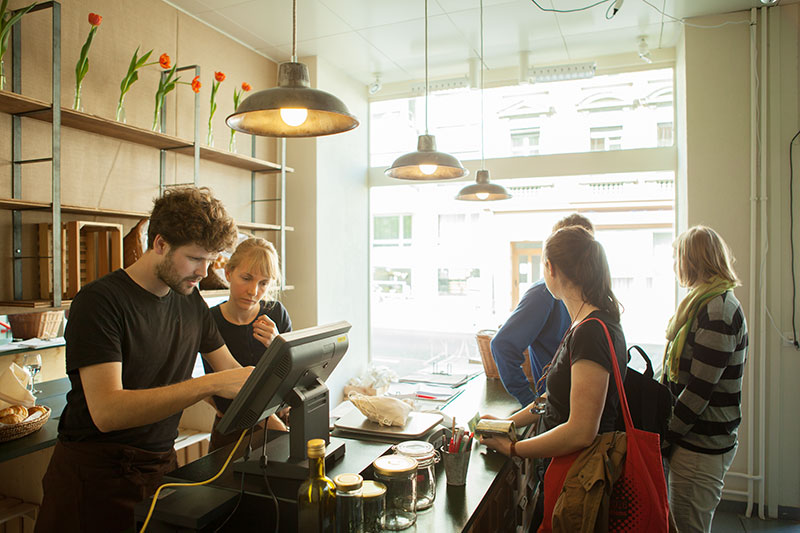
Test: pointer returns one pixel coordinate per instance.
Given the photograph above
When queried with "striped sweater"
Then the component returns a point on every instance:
(708, 409)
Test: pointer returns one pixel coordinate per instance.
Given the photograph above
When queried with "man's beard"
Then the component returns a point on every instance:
(167, 273)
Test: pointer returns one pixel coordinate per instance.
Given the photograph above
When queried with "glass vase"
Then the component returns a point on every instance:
(157, 119)
(210, 136)
(120, 115)
(2, 76)
(232, 142)
(77, 105)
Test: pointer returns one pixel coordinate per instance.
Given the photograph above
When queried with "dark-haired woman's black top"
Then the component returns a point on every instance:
(586, 341)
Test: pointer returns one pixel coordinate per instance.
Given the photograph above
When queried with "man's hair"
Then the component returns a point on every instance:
(575, 219)
(191, 215)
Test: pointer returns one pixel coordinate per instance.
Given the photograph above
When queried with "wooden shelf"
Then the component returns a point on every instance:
(16, 104)
(31, 306)
(260, 226)
(23, 205)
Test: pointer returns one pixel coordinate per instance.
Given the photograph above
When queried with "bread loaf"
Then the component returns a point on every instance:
(14, 410)
(37, 409)
(12, 419)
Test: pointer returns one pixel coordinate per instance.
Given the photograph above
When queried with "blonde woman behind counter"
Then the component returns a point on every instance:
(251, 318)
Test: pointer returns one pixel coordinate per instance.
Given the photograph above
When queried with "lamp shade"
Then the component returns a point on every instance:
(270, 112)
(426, 163)
(483, 190)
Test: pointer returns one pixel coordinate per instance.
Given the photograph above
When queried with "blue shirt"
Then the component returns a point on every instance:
(538, 323)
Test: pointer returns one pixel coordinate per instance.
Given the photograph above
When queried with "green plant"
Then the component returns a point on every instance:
(132, 76)
(7, 20)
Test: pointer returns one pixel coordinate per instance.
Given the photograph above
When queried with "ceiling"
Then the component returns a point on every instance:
(367, 38)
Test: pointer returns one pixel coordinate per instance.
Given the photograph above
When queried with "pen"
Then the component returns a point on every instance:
(425, 397)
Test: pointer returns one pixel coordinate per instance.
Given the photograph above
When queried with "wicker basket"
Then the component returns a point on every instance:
(44, 325)
(17, 431)
(484, 338)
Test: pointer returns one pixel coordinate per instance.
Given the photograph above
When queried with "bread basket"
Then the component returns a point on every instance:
(16, 431)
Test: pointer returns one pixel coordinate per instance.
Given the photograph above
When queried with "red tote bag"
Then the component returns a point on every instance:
(639, 497)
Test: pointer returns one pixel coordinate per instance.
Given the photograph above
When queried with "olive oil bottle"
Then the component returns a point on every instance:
(316, 499)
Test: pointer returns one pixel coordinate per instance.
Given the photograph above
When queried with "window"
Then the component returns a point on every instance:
(664, 133)
(391, 282)
(393, 230)
(470, 264)
(458, 281)
(605, 138)
(528, 119)
(525, 141)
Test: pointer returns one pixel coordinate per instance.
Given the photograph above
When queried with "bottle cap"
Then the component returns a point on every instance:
(392, 465)
(372, 489)
(316, 448)
(348, 481)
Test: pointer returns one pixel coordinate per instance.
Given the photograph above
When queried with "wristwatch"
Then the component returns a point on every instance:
(513, 451)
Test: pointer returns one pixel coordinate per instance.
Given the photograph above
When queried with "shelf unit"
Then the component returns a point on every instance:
(20, 106)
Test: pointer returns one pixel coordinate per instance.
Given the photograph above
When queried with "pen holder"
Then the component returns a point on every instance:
(456, 465)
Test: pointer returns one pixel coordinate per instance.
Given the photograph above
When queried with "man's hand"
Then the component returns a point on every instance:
(264, 330)
(228, 382)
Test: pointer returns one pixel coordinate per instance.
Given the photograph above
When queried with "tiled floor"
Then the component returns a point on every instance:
(727, 522)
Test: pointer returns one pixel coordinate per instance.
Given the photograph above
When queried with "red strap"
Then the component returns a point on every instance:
(617, 376)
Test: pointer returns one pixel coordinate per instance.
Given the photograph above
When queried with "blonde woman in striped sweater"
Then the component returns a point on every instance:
(703, 366)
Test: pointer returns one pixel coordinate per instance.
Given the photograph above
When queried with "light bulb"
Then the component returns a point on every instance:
(482, 195)
(294, 116)
(428, 169)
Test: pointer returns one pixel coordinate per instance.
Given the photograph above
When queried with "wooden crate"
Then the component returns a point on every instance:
(89, 250)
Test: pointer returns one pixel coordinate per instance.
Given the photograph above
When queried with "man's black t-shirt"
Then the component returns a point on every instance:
(113, 319)
(245, 348)
(587, 341)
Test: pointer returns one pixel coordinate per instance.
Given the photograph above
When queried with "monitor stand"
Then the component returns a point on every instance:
(308, 419)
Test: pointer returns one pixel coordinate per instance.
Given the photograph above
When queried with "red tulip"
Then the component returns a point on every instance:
(164, 61)
(219, 76)
(196, 84)
(246, 86)
(95, 19)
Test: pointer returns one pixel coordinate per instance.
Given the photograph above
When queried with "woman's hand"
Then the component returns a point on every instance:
(499, 444)
(264, 330)
(489, 417)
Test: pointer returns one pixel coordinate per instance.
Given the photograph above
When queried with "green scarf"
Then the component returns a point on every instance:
(681, 321)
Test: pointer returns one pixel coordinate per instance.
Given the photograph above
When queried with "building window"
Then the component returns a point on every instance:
(458, 281)
(456, 227)
(392, 230)
(391, 282)
(525, 141)
(605, 138)
(664, 133)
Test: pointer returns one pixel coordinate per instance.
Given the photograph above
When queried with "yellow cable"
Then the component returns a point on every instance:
(195, 484)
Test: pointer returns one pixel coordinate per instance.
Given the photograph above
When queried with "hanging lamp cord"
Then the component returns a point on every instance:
(483, 157)
(426, 67)
(294, 31)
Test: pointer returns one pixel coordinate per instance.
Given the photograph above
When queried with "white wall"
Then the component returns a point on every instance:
(714, 164)
(328, 254)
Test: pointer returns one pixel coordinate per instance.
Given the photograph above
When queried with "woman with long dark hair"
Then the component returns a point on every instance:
(581, 398)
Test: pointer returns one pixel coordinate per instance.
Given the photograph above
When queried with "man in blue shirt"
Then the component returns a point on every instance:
(538, 323)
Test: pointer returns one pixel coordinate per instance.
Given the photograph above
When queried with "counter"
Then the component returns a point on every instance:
(54, 396)
(493, 499)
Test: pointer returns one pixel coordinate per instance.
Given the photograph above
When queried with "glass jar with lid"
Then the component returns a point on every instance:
(426, 457)
(399, 474)
(349, 505)
(374, 495)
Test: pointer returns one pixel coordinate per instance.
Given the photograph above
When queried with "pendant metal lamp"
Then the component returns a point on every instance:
(482, 190)
(426, 163)
(293, 108)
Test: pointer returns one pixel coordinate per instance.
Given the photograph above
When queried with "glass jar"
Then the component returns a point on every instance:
(349, 505)
(399, 474)
(374, 497)
(426, 457)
